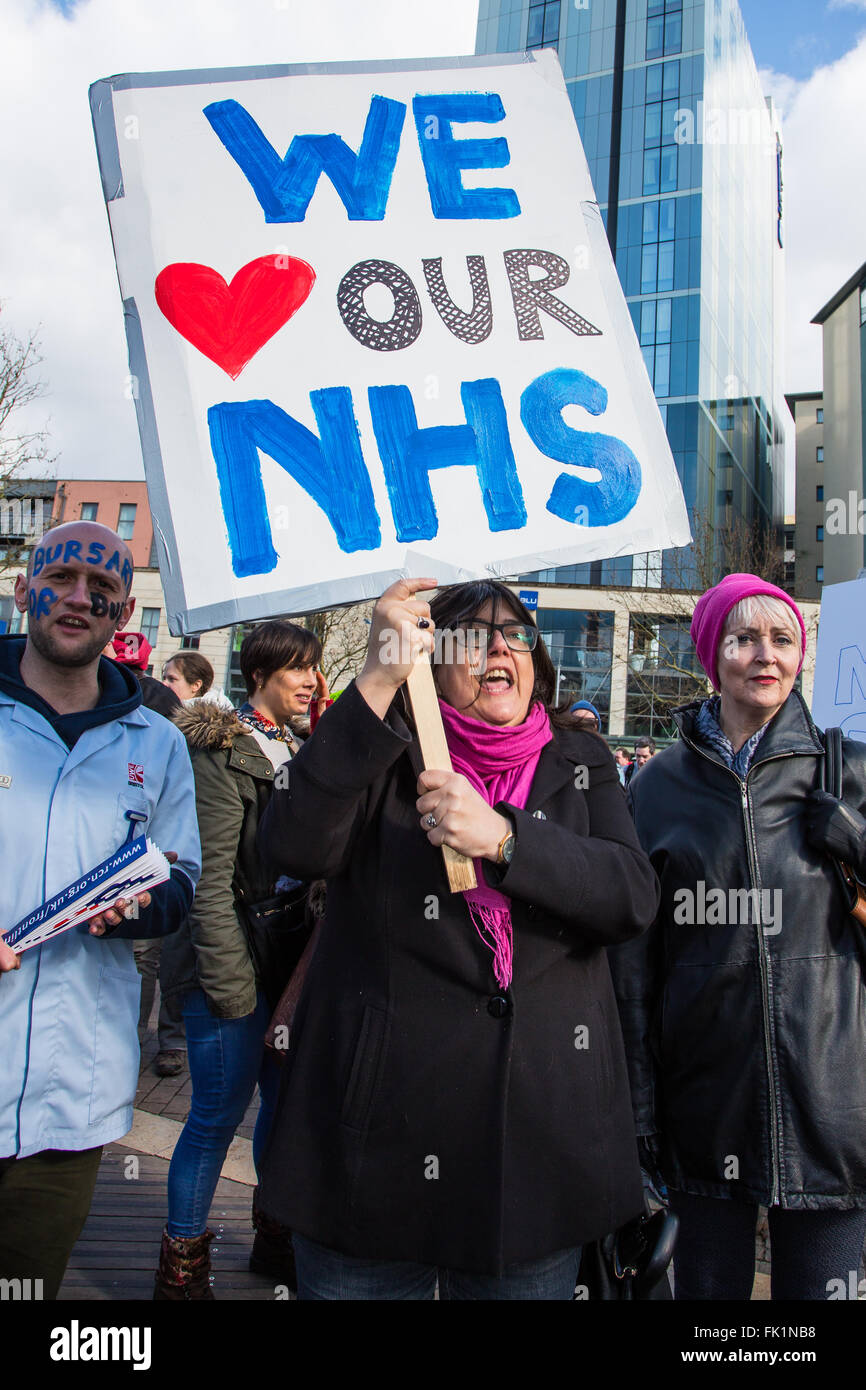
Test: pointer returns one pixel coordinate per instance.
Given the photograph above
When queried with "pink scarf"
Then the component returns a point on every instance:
(500, 764)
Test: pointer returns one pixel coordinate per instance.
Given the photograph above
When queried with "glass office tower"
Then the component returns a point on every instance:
(685, 157)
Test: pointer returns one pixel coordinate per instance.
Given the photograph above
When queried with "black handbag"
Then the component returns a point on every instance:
(855, 893)
(631, 1263)
(277, 929)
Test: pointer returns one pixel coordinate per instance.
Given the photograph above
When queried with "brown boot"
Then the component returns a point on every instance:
(184, 1266)
(272, 1252)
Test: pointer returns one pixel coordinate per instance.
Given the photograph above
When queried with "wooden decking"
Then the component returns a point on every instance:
(116, 1255)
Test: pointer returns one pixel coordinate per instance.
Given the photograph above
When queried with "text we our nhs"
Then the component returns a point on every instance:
(330, 465)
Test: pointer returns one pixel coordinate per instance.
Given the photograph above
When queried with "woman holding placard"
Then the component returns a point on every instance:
(743, 1007)
(457, 1100)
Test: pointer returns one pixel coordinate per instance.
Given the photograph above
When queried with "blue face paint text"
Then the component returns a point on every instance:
(65, 554)
(40, 602)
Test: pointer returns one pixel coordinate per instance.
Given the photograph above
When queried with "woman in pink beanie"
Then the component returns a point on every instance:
(743, 1006)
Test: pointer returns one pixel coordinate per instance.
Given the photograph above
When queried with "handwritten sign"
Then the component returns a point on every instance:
(374, 329)
(839, 692)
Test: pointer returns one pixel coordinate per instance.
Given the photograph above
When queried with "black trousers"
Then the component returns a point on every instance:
(44, 1201)
(814, 1254)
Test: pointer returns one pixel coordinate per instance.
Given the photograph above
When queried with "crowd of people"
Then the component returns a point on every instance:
(654, 983)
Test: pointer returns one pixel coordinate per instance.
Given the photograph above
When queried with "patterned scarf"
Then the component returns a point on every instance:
(247, 714)
(710, 730)
(500, 764)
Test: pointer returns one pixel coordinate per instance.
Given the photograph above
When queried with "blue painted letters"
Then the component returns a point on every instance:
(409, 454)
(444, 157)
(593, 503)
(284, 187)
(332, 472)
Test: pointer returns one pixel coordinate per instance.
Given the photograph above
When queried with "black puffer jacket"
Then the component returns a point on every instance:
(747, 1043)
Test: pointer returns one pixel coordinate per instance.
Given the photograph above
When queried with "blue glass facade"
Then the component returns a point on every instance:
(683, 153)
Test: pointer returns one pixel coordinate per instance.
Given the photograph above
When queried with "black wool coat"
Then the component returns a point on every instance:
(427, 1114)
(746, 1033)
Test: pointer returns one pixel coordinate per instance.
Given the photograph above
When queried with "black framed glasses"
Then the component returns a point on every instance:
(520, 637)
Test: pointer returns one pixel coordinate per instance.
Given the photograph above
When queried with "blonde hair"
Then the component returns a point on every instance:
(774, 610)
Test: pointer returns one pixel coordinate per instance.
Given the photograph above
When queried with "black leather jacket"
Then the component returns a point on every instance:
(746, 1032)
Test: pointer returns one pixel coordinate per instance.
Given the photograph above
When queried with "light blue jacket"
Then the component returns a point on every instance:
(69, 1054)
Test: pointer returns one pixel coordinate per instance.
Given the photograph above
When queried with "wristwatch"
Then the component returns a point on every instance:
(506, 846)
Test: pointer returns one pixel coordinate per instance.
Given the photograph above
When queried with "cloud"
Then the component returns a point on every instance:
(783, 89)
(57, 271)
(824, 199)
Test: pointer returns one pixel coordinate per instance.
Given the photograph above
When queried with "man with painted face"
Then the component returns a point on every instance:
(84, 767)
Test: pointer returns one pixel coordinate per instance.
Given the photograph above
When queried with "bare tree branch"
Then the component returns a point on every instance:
(344, 633)
(23, 455)
(663, 668)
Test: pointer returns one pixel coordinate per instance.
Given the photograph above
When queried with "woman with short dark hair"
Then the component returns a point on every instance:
(230, 971)
(457, 1100)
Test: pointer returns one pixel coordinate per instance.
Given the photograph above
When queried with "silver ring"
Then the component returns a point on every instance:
(430, 821)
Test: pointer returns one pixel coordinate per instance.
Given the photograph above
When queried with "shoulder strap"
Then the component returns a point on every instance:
(833, 762)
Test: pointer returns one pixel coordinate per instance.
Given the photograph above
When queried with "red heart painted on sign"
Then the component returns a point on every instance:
(230, 323)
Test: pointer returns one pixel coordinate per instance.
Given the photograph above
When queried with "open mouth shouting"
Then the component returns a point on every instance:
(497, 680)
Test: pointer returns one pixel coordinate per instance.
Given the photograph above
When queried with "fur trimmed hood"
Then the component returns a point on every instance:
(209, 726)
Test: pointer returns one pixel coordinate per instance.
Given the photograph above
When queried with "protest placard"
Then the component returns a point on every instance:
(839, 692)
(374, 329)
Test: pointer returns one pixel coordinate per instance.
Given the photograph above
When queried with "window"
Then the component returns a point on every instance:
(150, 624)
(819, 454)
(89, 510)
(664, 27)
(126, 520)
(543, 31)
(663, 672)
(863, 305)
(819, 533)
(581, 648)
(655, 337)
(789, 540)
(190, 643)
(153, 558)
(819, 574)
(819, 493)
(819, 415)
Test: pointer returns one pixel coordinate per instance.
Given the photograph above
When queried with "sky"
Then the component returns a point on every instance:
(797, 36)
(57, 275)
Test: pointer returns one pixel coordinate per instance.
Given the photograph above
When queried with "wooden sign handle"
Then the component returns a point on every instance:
(435, 755)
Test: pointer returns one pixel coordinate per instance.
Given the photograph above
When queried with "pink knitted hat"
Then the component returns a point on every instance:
(713, 608)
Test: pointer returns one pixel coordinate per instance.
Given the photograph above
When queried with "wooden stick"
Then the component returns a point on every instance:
(435, 755)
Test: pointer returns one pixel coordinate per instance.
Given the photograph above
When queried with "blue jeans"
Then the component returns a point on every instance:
(226, 1059)
(325, 1274)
